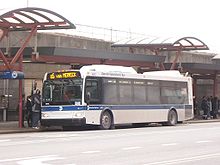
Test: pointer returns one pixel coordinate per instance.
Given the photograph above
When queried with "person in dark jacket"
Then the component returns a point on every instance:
(36, 109)
(205, 107)
(28, 106)
(215, 107)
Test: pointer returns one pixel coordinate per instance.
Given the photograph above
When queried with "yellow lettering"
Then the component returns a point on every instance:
(59, 76)
(63, 75)
(52, 76)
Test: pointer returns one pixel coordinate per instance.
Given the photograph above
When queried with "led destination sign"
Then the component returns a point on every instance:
(63, 75)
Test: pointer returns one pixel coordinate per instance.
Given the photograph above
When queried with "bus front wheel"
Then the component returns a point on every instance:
(172, 118)
(106, 120)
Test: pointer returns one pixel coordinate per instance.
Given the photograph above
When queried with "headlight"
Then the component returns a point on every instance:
(44, 115)
(78, 114)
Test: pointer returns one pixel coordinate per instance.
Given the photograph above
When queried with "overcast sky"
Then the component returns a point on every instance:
(196, 18)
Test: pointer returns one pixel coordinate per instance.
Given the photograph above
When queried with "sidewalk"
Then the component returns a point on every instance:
(12, 126)
(202, 121)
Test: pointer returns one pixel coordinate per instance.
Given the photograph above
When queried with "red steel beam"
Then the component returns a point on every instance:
(178, 53)
(7, 65)
(161, 63)
(3, 67)
(19, 53)
(30, 25)
(5, 33)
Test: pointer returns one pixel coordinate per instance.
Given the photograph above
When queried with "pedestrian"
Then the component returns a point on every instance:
(205, 108)
(28, 106)
(215, 107)
(36, 109)
(196, 109)
(209, 102)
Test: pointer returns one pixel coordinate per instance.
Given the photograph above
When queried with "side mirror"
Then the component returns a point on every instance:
(88, 98)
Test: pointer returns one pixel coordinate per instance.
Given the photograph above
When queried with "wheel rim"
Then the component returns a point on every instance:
(106, 120)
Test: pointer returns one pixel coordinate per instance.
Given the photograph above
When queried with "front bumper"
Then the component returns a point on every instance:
(63, 122)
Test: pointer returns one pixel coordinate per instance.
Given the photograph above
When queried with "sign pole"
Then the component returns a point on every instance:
(20, 104)
(20, 95)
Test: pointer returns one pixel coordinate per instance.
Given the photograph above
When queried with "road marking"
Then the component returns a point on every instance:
(184, 160)
(203, 141)
(5, 140)
(66, 135)
(25, 158)
(38, 161)
(11, 143)
(131, 148)
(169, 144)
(90, 152)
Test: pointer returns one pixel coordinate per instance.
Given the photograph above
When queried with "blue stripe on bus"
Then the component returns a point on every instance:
(113, 107)
(63, 108)
(148, 107)
(188, 106)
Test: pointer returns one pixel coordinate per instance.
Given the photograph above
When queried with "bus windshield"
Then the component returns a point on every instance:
(62, 92)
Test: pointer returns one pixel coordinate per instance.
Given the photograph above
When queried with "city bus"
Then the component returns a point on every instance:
(106, 96)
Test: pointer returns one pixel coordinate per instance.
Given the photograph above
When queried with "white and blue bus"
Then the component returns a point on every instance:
(107, 95)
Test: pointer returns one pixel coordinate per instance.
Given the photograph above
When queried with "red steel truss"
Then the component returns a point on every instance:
(27, 19)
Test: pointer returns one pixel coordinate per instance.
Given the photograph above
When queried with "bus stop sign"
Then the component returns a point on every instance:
(11, 75)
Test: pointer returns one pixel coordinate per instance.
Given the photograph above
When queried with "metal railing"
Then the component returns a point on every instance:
(107, 34)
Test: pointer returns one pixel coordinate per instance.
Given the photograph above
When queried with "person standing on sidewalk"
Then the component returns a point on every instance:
(205, 108)
(209, 102)
(29, 111)
(36, 108)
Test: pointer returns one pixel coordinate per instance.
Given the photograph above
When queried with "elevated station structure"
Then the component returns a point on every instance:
(42, 52)
(157, 45)
(31, 20)
(177, 45)
(27, 21)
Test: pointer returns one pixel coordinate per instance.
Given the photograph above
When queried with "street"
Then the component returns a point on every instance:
(184, 144)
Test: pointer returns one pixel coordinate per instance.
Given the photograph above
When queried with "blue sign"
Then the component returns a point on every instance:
(11, 75)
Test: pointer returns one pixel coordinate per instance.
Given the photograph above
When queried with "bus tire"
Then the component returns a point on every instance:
(172, 118)
(106, 120)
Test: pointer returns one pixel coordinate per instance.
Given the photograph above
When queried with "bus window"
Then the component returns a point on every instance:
(125, 92)
(153, 92)
(173, 93)
(110, 94)
(139, 92)
(65, 92)
(93, 88)
(56, 93)
(47, 93)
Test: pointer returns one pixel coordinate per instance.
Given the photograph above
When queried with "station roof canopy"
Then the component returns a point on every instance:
(24, 19)
(163, 44)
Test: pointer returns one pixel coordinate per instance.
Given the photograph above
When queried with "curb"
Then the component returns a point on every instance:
(12, 130)
(202, 121)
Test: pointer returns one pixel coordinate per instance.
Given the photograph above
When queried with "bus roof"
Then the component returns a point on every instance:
(165, 73)
(129, 72)
(121, 71)
(107, 68)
